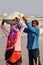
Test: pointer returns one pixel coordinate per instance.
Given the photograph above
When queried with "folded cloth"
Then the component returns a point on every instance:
(8, 53)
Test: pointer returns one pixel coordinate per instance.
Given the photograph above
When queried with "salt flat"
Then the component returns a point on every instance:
(24, 50)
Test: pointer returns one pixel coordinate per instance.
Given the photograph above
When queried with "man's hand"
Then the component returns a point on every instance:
(24, 18)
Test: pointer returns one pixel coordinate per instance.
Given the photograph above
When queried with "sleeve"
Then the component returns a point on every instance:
(35, 30)
(25, 29)
(19, 26)
(4, 30)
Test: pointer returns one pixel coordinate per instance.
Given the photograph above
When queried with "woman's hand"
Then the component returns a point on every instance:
(2, 22)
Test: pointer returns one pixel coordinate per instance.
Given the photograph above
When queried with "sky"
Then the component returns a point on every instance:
(28, 7)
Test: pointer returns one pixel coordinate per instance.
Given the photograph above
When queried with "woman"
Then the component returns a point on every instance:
(13, 41)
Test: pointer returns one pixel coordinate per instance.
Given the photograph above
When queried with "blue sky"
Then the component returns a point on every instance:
(28, 7)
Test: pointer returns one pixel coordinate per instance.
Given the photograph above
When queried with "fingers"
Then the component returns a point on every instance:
(24, 18)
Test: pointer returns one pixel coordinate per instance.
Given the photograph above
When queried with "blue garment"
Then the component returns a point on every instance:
(32, 36)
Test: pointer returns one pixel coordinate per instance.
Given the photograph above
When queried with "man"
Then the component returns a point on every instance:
(32, 41)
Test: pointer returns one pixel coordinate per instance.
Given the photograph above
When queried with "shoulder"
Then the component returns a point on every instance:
(38, 30)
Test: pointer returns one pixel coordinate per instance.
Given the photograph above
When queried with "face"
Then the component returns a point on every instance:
(34, 24)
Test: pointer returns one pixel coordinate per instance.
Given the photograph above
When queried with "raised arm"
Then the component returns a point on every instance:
(35, 30)
(23, 26)
(25, 29)
(4, 30)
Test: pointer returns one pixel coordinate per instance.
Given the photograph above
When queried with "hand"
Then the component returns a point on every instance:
(24, 18)
(17, 19)
(2, 22)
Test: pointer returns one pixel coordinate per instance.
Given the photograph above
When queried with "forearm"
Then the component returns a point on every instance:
(30, 27)
(27, 23)
(23, 26)
(4, 30)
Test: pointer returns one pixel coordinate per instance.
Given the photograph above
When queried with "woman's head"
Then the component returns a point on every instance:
(14, 26)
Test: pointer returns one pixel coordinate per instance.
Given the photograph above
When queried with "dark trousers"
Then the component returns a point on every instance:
(34, 55)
